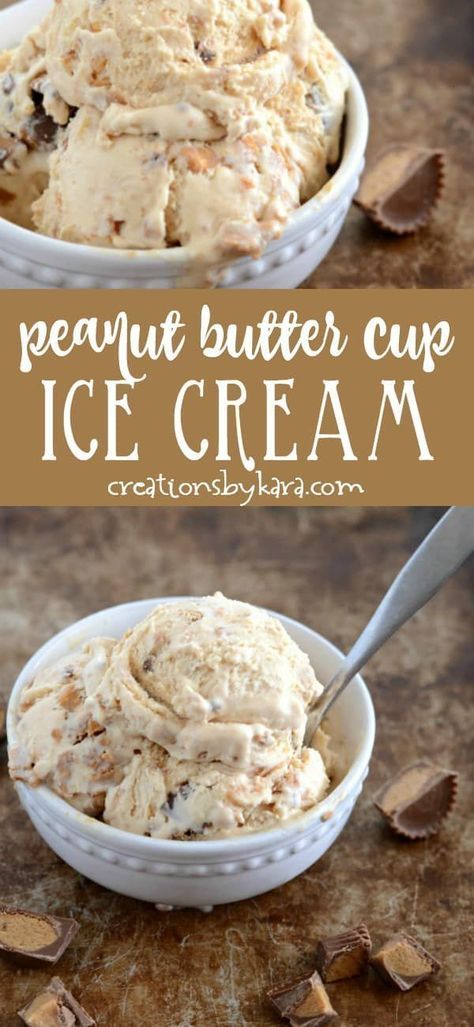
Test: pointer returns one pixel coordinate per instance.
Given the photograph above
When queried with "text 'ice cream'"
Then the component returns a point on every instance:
(190, 726)
(147, 124)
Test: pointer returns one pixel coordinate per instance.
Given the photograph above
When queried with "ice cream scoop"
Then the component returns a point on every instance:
(212, 679)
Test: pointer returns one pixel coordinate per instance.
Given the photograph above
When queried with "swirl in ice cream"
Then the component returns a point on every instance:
(166, 123)
(190, 726)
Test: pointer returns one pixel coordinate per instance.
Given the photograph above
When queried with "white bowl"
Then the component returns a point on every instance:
(30, 260)
(201, 874)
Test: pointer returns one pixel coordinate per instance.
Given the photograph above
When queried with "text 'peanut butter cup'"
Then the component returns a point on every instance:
(344, 955)
(304, 1002)
(402, 187)
(54, 1006)
(418, 799)
(403, 962)
(29, 938)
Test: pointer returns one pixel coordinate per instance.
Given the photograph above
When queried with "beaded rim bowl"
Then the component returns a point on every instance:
(201, 873)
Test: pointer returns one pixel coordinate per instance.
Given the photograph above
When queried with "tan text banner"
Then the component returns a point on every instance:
(229, 398)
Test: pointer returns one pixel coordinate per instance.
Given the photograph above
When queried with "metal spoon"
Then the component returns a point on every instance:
(446, 547)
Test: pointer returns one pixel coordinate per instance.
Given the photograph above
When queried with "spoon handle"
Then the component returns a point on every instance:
(441, 553)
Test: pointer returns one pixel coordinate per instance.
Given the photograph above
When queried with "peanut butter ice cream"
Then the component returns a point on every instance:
(58, 742)
(190, 726)
(165, 123)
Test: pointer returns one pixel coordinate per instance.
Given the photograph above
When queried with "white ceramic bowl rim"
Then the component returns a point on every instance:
(43, 247)
(155, 847)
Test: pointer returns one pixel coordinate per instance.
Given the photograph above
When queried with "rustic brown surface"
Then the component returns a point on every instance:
(413, 61)
(132, 966)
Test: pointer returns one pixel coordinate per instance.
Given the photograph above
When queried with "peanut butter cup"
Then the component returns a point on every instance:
(418, 799)
(344, 955)
(401, 188)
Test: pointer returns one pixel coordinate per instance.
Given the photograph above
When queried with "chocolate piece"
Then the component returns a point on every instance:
(3, 721)
(305, 1002)
(418, 799)
(5, 197)
(8, 84)
(344, 955)
(55, 1007)
(402, 961)
(31, 938)
(402, 187)
(40, 130)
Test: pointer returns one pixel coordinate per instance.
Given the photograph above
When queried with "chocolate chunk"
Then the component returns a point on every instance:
(30, 938)
(3, 721)
(40, 130)
(305, 1002)
(344, 955)
(418, 799)
(170, 801)
(207, 56)
(7, 148)
(400, 190)
(314, 99)
(8, 84)
(403, 962)
(55, 1007)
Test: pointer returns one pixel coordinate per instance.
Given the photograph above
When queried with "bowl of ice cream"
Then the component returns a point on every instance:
(159, 148)
(157, 747)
